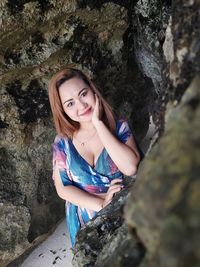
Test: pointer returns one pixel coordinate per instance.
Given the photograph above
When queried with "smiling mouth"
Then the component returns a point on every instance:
(86, 112)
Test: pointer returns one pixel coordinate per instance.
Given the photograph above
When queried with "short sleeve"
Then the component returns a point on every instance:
(60, 157)
(123, 130)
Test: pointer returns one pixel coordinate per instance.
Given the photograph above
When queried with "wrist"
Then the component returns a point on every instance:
(99, 204)
(97, 123)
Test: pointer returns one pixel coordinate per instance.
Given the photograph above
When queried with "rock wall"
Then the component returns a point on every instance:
(37, 39)
(155, 222)
(166, 217)
(142, 61)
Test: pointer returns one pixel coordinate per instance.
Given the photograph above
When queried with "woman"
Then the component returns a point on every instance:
(92, 150)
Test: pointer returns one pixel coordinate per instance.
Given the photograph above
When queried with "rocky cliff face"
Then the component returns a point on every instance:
(156, 223)
(144, 60)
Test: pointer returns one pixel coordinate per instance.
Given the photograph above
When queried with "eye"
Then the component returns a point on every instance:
(70, 104)
(84, 93)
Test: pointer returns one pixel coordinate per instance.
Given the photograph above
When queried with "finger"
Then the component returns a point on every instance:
(96, 103)
(115, 186)
(106, 203)
(96, 98)
(117, 180)
(112, 192)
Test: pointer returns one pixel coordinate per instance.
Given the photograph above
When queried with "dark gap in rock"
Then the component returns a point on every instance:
(9, 187)
(44, 188)
(11, 57)
(141, 247)
(89, 52)
(15, 6)
(134, 256)
(3, 124)
(55, 40)
(41, 222)
(133, 76)
(161, 36)
(168, 2)
(179, 91)
(193, 103)
(77, 36)
(29, 52)
(12, 196)
(45, 5)
(142, 19)
(37, 38)
(32, 103)
(97, 4)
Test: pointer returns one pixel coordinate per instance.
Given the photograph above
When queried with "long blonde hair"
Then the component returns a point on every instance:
(64, 125)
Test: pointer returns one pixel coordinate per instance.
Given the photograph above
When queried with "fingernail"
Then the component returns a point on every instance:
(122, 186)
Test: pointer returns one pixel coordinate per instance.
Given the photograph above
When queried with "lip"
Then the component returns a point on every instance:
(86, 112)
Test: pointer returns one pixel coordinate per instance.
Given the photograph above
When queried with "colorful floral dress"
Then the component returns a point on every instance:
(75, 170)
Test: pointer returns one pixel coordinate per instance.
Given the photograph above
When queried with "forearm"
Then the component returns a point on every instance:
(76, 195)
(81, 198)
(125, 158)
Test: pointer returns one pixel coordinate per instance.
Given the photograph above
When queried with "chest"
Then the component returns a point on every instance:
(89, 151)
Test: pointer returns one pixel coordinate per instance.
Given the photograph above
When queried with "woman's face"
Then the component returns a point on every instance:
(78, 99)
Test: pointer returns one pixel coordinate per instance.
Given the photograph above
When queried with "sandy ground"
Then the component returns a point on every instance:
(54, 251)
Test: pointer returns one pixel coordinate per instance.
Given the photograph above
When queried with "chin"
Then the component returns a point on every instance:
(86, 120)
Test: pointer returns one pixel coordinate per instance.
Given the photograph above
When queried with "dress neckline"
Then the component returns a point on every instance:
(95, 163)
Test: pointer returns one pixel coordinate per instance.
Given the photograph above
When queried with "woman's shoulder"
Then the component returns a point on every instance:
(121, 122)
(60, 140)
(123, 130)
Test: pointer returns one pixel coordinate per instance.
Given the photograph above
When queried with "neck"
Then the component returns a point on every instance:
(86, 127)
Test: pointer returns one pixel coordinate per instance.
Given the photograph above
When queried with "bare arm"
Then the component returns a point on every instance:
(80, 197)
(125, 156)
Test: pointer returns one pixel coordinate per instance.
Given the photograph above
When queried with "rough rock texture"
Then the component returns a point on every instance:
(143, 62)
(181, 47)
(103, 240)
(162, 213)
(149, 23)
(167, 216)
(38, 38)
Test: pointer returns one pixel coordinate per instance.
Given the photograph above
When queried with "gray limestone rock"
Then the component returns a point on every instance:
(162, 211)
(167, 216)
(143, 62)
(37, 39)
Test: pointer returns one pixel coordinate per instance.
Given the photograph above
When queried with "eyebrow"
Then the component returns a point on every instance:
(78, 94)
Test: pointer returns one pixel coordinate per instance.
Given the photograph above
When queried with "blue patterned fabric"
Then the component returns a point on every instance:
(75, 170)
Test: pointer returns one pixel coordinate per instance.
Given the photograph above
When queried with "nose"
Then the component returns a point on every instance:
(82, 105)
